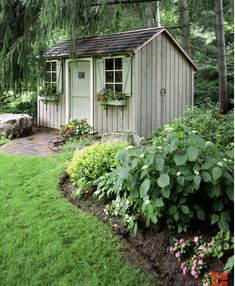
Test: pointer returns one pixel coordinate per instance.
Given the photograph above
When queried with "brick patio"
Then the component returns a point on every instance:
(33, 145)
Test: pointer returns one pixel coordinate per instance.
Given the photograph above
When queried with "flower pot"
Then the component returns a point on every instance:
(121, 102)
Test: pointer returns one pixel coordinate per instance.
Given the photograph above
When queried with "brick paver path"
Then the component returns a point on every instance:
(35, 144)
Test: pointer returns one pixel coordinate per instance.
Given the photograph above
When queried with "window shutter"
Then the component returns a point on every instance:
(126, 63)
(99, 75)
(59, 84)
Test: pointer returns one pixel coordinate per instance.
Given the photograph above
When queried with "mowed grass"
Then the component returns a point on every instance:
(44, 240)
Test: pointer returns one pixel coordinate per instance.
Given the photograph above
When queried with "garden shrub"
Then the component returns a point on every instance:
(75, 129)
(91, 163)
(181, 178)
(208, 122)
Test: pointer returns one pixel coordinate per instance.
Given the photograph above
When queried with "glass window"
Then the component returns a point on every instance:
(50, 77)
(113, 74)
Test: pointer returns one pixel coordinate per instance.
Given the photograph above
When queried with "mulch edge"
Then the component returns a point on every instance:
(167, 269)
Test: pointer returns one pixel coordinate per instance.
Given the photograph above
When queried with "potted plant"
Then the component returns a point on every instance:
(48, 93)
(107, 97)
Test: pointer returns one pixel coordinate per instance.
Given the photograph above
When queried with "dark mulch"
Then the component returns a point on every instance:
(147, 250)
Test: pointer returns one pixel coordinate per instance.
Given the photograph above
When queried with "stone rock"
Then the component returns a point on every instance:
(15, 125)
(128, 136)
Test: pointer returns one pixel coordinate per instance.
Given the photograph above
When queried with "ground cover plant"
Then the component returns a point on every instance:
(44, 239)
(3, 140)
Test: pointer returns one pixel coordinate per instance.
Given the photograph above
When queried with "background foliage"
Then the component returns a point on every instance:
(27, 27)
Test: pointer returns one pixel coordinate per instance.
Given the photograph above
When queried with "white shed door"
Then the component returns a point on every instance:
(81, 91)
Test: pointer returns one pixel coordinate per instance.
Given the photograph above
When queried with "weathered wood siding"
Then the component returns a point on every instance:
(160, 66)
(114, 118)
(50, 114)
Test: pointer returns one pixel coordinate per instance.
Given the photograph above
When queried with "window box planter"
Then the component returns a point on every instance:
(50, 98)
(116, 102)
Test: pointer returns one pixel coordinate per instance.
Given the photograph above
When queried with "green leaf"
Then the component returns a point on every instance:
(230, 192)
(172, 210)
(225, 216)
(200, 214)
(216, 190)
(216, 173)
(144, 187)
(218, 205)
(192, 153)
(165, 192)
(185, 209)
(206, 177)
(163, 181)
(223, 225)
(228, 176)
(180, 180)
(197, 180)
(214, 218)
(159, 203)
(229, 264)
(180, 159)
(176, 216)
(230, 153)
(134, 164)
(207, 165)
(159, 164)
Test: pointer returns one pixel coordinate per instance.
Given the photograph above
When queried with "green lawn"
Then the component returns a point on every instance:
(44, 240)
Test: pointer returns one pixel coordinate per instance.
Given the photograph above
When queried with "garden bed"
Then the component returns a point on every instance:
(149, 249)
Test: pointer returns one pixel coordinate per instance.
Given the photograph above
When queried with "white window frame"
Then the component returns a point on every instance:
(51, 83)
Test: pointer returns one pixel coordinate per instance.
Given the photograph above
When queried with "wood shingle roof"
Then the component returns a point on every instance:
(99, 45)
(124, 42)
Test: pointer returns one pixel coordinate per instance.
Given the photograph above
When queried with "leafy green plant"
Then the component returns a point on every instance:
(91, 163)
(48, 91)
(3, 140)
(206, 121)
(75, 129)
(105, 95)
(181, 178)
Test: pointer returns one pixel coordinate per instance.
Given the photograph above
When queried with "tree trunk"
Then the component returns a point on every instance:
(223, 98)
(185, 26)
(158, 15)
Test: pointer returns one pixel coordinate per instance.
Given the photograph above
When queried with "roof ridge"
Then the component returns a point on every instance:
(118, 33)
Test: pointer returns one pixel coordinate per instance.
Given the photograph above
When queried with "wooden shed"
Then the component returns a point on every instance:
(147, 65)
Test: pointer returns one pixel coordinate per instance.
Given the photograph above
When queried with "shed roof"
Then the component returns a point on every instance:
(123, 42)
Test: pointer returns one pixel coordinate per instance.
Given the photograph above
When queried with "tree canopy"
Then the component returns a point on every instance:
(27, 27)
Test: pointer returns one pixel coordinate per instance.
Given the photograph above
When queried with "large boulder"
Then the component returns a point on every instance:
(15, 125)
(128, 136)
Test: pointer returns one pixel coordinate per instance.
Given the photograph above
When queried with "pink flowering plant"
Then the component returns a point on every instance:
(193, 254)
